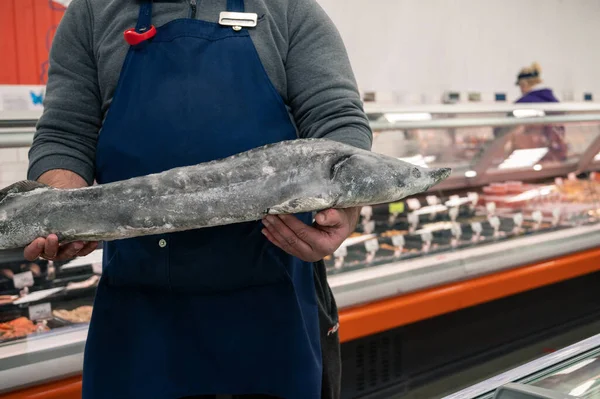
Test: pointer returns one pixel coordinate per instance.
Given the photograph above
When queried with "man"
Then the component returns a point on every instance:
(236, 310)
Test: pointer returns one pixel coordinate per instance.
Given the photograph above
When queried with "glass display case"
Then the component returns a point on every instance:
(573, 372)
(523, 189)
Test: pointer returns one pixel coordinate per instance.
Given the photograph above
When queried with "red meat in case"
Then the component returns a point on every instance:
(18, 328)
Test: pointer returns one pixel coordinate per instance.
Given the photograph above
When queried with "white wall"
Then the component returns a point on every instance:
(13, 165)
(419, 47)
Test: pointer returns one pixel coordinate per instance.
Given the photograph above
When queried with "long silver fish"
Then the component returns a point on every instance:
(284, 178)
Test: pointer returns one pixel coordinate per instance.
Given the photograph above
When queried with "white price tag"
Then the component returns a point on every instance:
(456, 230)
(426, 236)
(22, 280)
(398, 241)
(366, 212)
(558, 181)
(572, 176)
(413, 204)
(97, 267)
(369, 227)
(491, 207)
(495, 222)
(476, 227)
(454, 198)
(474, 197)
(372, 245)
(43, 311)
(432, 200)
(413, 219)
(453, 212)
(341, 252)
(518, 219)
(556, 213)
(537, 216)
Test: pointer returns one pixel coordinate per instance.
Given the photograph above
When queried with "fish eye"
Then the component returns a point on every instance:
(416, 173)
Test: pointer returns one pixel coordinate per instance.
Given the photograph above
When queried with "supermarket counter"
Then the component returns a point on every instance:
(508, 234)
(59, 355)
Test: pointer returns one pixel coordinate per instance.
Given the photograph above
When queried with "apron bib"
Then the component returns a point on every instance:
(210, 311)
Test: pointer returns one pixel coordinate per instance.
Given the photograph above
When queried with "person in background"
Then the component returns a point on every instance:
(530, 83)
(139, 87)
(551, 137)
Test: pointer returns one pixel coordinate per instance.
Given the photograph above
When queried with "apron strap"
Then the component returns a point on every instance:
(145, 18)
(235, 5)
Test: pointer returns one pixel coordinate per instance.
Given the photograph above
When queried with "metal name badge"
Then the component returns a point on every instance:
(238, 20)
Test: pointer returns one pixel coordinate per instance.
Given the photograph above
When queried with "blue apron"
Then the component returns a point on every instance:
(210, 311)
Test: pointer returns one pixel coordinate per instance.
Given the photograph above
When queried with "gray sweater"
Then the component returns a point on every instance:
(298, 44)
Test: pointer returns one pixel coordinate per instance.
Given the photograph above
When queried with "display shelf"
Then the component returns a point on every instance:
(397, 284)
(398, 278)
(16, 137)
(361, 321)
(51, 357)
(482, 122)
(34, 356)
(14, 119)
(478, 109)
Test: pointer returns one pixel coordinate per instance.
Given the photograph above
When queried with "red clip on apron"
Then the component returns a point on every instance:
(211, 311)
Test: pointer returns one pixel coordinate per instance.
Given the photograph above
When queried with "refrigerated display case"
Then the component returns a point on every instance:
(572, 372)
(519, 212)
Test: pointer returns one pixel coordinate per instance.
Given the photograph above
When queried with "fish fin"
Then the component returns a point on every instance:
(20, 187)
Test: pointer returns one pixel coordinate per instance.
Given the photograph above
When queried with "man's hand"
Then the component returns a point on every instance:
(310, 243)
(48, 247)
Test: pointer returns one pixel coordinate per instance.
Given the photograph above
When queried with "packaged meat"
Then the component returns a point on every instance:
(82, 314)
(514, 187)
(391, 233)
(20, 328)
(90, 282)
(496, 189)
(7, 299)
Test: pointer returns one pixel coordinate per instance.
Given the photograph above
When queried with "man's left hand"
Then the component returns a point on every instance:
(311, 243)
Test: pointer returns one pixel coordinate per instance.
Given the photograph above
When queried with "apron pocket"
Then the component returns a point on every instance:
(222, 259)
(137, 262)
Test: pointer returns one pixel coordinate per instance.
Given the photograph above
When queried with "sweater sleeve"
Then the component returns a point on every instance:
(322, 90)
(67, 131)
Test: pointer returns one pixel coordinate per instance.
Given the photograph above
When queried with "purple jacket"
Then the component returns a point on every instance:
(538, 96)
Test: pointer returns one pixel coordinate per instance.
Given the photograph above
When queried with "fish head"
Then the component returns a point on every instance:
(368, 178)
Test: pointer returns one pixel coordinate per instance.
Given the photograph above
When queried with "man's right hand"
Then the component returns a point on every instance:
(48, 247)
